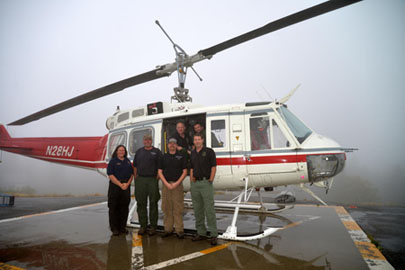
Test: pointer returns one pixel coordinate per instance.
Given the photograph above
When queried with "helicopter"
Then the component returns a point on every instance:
(258, 144)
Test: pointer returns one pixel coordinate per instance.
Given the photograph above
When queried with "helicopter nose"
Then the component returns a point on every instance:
(323, 166)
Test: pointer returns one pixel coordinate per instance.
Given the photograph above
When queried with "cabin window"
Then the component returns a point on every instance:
(259, 133)
(123, 117)
(279, 140)
(218, 134)
(136, 139)
(138, 112)
(300, 130)
(115, 140)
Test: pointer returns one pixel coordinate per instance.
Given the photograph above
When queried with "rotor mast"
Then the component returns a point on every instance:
(183, 62)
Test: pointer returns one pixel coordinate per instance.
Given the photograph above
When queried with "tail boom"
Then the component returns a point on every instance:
(87, 152)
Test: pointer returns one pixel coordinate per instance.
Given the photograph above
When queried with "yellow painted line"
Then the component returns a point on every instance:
(51, 212)
(292, 225)
(369, 251)
(341, 210)
(136, 240)
(4, 266)
(352, 226)
(137, 251)
(216, 248)
(187, 257)
(371, 255)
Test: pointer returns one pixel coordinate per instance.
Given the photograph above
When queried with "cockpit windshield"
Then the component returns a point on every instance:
(300, 130)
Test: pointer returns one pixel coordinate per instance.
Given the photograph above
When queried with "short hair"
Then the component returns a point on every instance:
(180, 121)
(198, 135)
(198, 123)
(114, 155)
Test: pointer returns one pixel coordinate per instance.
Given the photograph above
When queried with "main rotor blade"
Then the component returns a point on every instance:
(277, 25)
(100, 92)
(166, 70)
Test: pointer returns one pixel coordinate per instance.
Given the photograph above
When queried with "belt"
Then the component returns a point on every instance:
(201, 178)
(123, 180)
(147, 176)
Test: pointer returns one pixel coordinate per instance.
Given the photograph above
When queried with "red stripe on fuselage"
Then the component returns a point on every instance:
(258, 160)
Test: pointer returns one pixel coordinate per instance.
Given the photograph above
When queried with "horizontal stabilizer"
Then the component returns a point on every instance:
(348, 150)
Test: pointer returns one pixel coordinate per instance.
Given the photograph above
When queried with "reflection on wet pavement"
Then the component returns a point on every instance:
(80, 239)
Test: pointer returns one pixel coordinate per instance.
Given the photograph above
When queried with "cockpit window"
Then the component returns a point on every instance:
(300, 130)
(136, 139)
(259, 133)
(115, 140)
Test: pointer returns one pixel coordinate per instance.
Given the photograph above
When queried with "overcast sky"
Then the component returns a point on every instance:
(350, 63)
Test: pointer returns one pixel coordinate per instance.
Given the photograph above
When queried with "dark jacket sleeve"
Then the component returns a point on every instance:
(111, 167)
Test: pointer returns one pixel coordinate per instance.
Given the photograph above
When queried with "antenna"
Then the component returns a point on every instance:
(260, 96)
(180, 93)
(267, 92)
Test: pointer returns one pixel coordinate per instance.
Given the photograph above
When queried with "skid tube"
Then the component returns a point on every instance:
(231, 231)
(221, 235)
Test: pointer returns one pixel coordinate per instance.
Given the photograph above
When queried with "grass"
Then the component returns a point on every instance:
(375, 242)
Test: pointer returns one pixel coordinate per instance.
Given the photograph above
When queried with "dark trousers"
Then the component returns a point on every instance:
(118, 203)
(147, 187)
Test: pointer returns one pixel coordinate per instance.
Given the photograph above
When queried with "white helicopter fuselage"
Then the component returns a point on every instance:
(256, 144)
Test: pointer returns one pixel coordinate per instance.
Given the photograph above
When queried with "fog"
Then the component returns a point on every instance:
(350, 64)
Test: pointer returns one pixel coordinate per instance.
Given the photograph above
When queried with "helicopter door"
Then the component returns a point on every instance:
(270, 158)
(238, 148)
(218, 139)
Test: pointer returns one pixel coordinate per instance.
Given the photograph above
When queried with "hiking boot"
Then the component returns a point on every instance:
(198, 237)
(124, 231)
(142, 231)
(214, 241)
(115, 232)
(180, 235)
(166, 234)
(152, 231)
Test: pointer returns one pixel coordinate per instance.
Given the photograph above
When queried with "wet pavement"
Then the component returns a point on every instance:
(33, 205)
(386, 225)
(79, 238)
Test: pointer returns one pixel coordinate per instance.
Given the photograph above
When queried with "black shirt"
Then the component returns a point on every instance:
(147, 161)
(202, 162)
(185, 142)
(121, 169)
(173, 166)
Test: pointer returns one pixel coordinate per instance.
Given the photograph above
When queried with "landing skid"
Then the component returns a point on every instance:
(231, 232)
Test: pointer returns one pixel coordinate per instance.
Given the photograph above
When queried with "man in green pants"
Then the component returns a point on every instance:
(146, 162)
(202, 174)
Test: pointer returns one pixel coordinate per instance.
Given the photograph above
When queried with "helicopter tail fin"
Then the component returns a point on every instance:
(4, 135)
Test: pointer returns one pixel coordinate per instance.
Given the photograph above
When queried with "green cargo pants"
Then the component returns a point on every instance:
(147, 187)
(202, 195)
